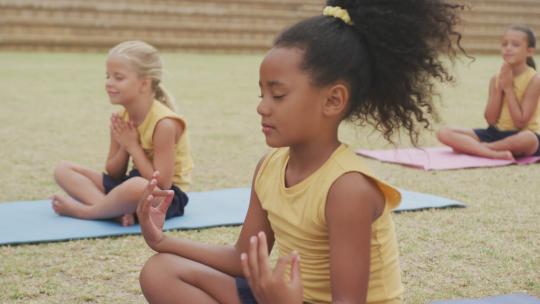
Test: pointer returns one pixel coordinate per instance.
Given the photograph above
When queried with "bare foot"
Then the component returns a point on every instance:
(497, 154)
(65, 205)
(126, 219)
(506, 155)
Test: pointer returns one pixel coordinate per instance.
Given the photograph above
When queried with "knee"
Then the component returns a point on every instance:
(150, 271)
(61, 168)
(136, 185)
(529, 140)
(443, 134)
(156, 273)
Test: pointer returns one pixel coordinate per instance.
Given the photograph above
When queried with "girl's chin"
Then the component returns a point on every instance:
(115, 101)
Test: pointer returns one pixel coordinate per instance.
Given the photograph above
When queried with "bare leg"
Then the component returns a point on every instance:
(168, 278)
(466, 141)
(80, 183)
(121, 200)
(523, 143)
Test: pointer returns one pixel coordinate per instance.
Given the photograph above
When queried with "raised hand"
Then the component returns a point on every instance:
(271, 286)
(124, 133)
(151, 212)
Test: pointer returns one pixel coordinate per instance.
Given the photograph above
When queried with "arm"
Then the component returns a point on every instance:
(166, 134)
(494, 104)
(353, 203)
(118, 158)
(225, 258)
(522, 113)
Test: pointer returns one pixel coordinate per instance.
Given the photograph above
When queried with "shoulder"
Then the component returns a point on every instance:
(269, 160)
(167, 127)
(354, 192)
(533, 86)
(535, 80)
(169, 124)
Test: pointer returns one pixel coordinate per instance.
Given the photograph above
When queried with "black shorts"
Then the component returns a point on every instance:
(244, 292)
(492, 134)
(178, 203)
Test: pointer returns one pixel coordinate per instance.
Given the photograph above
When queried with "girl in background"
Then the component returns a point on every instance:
(512, 111)
(148, 132)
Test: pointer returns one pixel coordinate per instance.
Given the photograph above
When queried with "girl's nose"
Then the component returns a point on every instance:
(262, 108)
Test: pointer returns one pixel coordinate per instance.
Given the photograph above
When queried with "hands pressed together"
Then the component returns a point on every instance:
(506, 77)
(124, 133)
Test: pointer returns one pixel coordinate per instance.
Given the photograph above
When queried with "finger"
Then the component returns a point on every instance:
(245, 268)
(143, 210)
(120, 126)
(115, 118)
(296, 277)
(116, 126)
(164, 206)
(144, 202)
(262, 251)
(159, 195)
(281, 266)
(253, 257)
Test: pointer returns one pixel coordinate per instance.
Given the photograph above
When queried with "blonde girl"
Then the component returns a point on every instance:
(147, 131)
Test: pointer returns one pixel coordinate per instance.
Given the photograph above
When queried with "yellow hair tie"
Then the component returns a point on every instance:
(338, 12)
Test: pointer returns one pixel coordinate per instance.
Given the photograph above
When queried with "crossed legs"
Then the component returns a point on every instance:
(86, 197)
(168, 278)
(465, 141)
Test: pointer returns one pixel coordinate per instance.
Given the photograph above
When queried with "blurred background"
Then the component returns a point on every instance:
(232, 26)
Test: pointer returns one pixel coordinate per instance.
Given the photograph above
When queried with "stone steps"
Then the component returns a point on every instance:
(208, 25)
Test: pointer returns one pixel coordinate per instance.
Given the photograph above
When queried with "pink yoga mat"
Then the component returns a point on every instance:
(440, 158)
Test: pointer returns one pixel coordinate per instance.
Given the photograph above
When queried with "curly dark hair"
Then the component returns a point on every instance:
(390, 58)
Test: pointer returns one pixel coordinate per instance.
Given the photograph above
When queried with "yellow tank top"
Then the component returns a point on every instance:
(183, 163)
(505, 122)
(297, 217)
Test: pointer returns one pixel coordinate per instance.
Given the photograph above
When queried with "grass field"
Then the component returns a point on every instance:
(53, 107)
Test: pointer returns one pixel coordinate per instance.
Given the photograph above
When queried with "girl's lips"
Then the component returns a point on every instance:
(267, 128)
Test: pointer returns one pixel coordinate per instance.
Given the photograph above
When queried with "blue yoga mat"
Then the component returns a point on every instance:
(35, 221)
(516, 298)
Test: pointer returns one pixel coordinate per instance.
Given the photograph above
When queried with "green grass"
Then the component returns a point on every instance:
(53, 107)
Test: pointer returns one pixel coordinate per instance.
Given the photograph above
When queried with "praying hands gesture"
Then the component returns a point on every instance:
(270, 286)
(151, 212)
(124, 133)
(506, 77)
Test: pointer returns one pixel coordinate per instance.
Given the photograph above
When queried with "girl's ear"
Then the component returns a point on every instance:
(530, 52)
(146, 84)
(337, 100)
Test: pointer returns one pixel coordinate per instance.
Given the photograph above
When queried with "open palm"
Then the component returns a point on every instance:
(151, 212)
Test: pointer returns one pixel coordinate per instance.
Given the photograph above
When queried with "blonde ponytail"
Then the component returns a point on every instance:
(162, 95)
